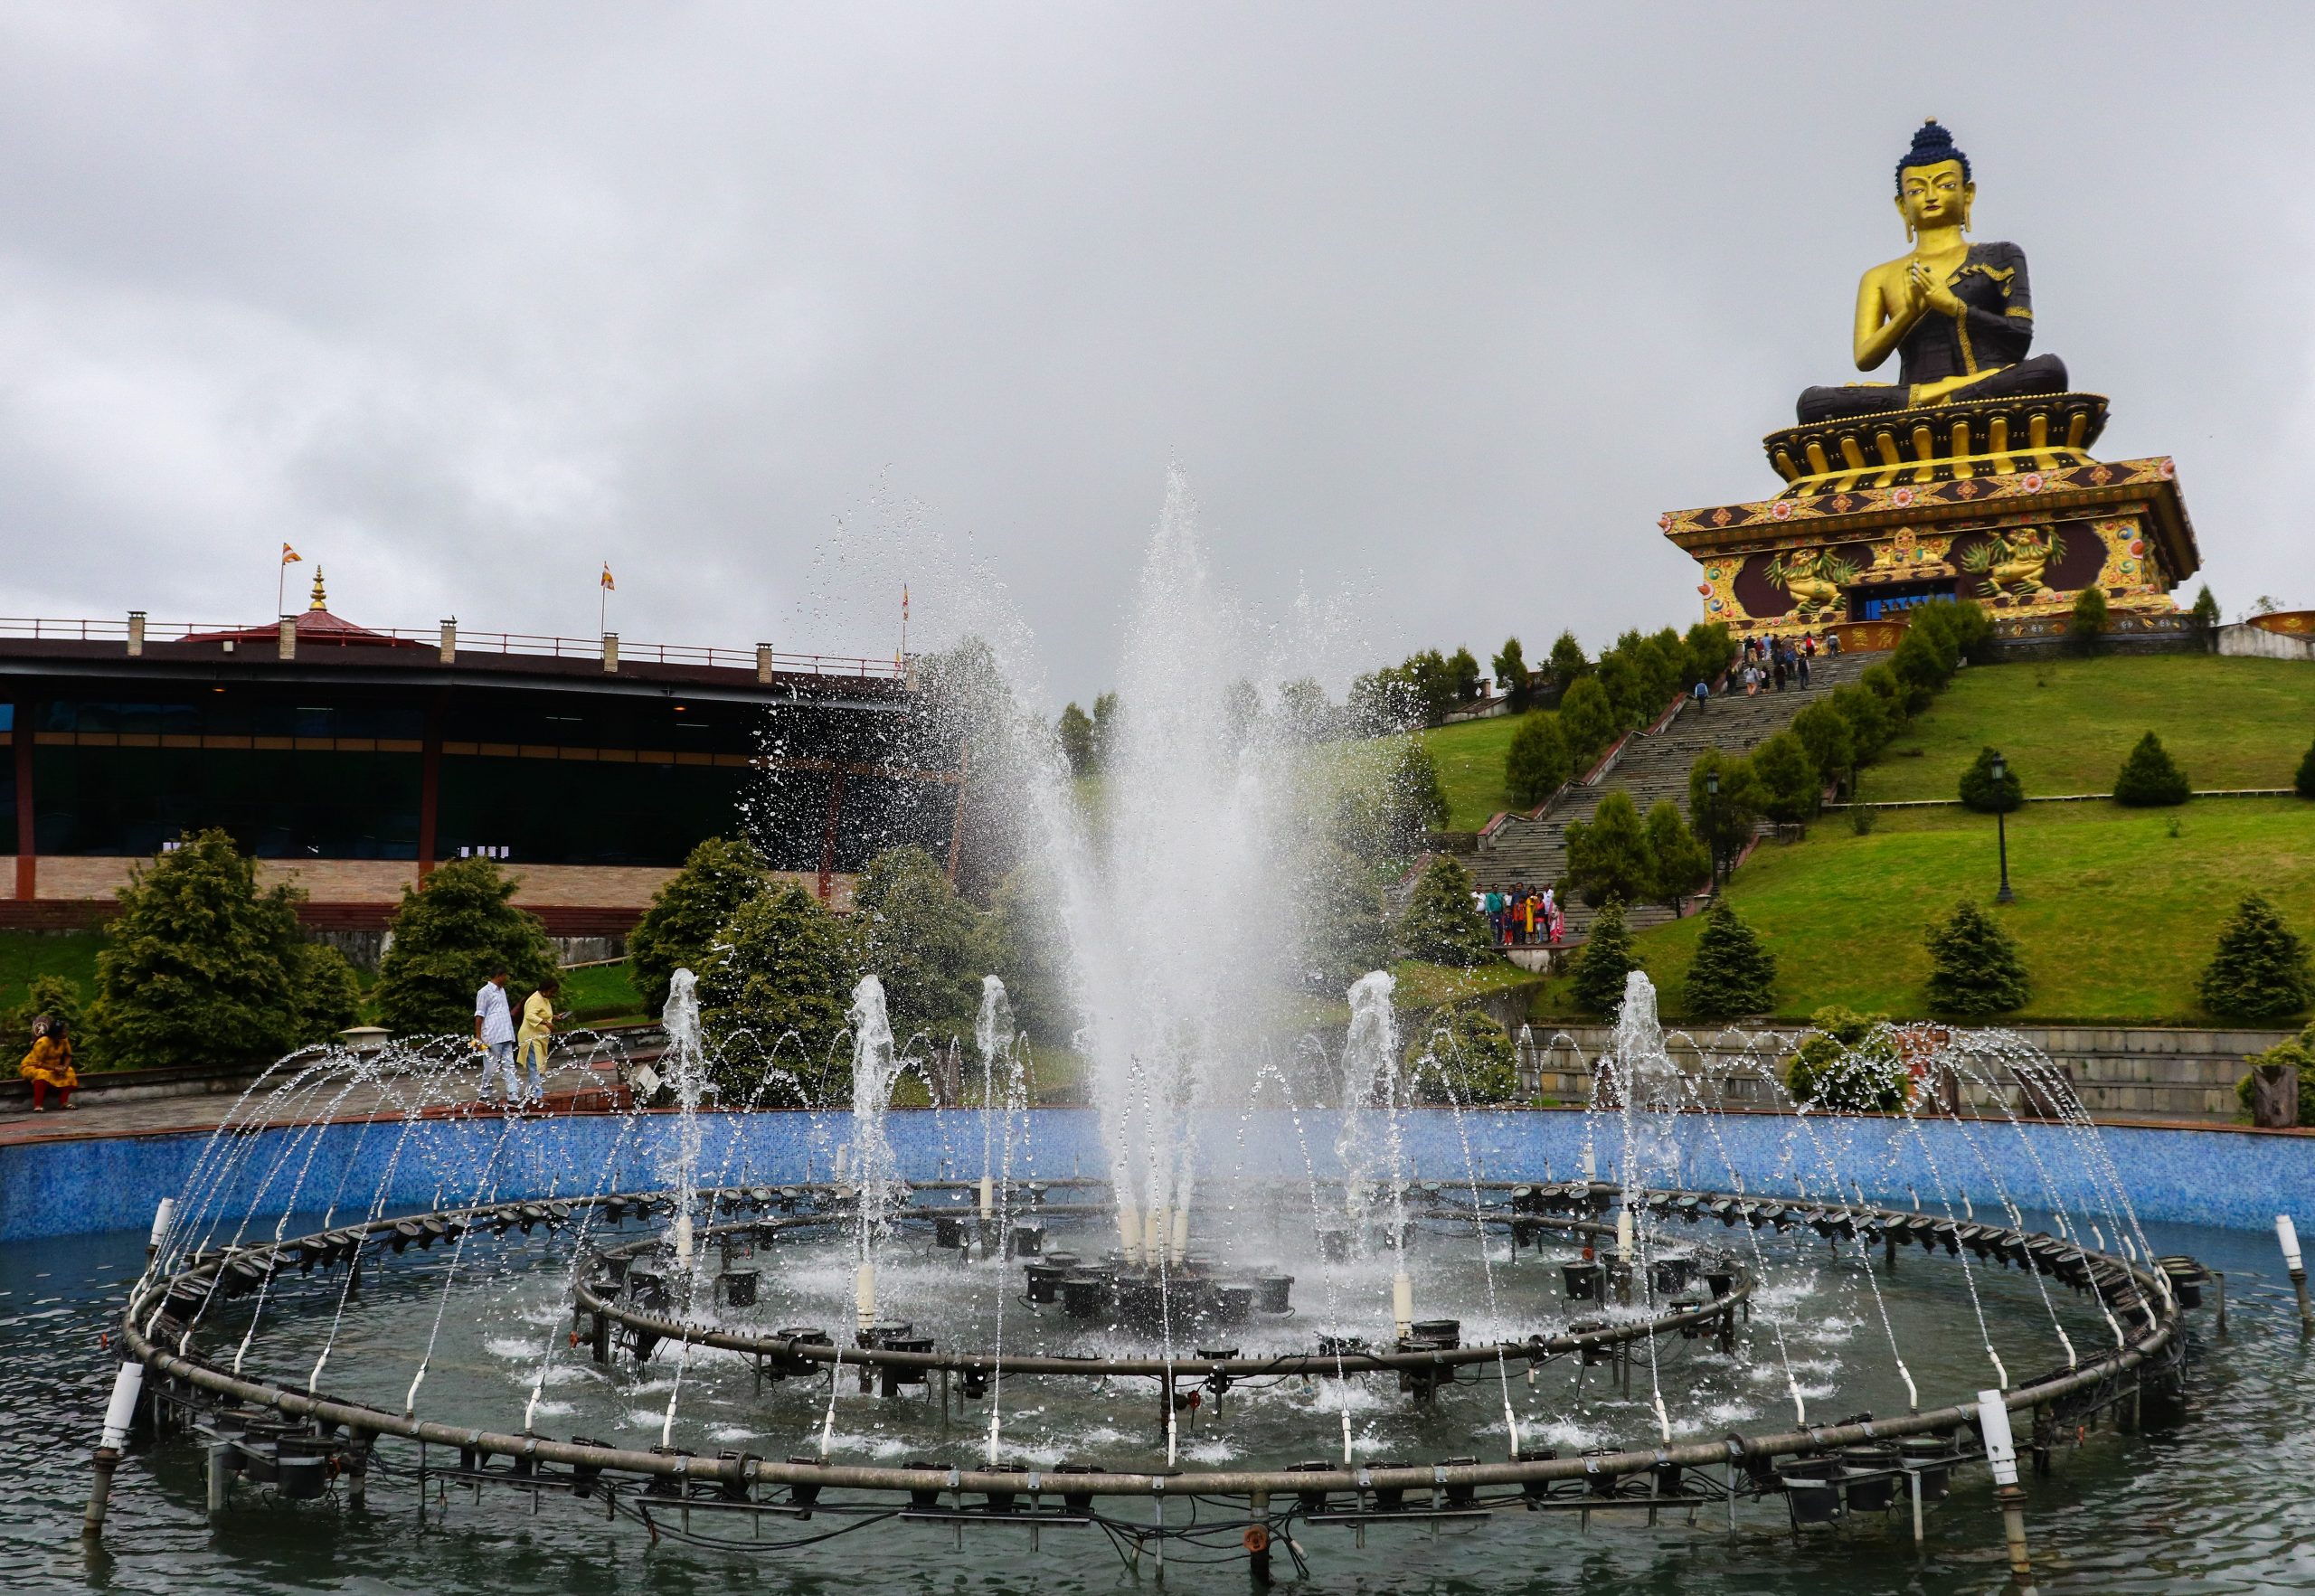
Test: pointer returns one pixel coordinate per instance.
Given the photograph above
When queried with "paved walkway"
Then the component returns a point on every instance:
(572, 1086)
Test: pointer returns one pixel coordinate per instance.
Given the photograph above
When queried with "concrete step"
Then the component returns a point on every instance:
(1534, 852)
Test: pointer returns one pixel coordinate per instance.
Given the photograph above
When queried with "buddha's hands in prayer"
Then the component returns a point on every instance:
(1926, 286)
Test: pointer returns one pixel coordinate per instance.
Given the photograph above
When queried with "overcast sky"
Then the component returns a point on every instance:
(1439, 305)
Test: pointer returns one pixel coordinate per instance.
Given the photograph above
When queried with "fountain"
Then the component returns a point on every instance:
(1333, 1301)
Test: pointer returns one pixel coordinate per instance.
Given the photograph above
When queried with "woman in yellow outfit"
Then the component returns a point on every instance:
(49, 1065)
(537, 1030)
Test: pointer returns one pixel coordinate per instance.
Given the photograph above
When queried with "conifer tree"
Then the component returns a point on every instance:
(1975, 968)
(1439, 923)
(1606, 959)
(1733, 972)
(2260, 969)
(2150, 777)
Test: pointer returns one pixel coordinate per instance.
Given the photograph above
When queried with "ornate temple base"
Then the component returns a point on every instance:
(2020, 530)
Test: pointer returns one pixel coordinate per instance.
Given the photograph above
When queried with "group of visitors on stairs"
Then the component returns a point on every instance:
(1774, 660)
(1521, 917)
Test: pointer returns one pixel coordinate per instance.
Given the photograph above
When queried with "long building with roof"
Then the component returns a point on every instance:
(350, 761)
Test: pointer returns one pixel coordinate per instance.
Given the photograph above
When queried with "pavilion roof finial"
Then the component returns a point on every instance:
(321, 600)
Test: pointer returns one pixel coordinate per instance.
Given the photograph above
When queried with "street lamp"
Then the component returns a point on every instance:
(1999, 770)
(1712, 819)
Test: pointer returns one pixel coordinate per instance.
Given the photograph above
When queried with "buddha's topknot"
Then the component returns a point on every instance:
(1931, 144)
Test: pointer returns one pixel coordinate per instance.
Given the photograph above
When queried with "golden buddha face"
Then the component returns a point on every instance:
(1934, 196)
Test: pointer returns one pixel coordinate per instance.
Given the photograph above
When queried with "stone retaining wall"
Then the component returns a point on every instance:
(2123, 1072)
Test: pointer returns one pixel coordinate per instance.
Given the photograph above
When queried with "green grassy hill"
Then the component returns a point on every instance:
(2118, 909)
(1469, 757)
(2116, 916)
(2066, 725)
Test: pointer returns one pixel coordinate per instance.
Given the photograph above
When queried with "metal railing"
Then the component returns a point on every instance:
(532, 644)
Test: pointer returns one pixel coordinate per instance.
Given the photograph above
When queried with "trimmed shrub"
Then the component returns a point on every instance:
(1539, 760)
(1979, 792)
(1974, 966)
(1439, 923)
(784, 964)
(197, 966)
(1029, 946)
(2304, 783)
(1627, 689)
(1413, 798)
(1870, 724)
(1921, 667)
(52, 996)
(1390, 816)
(1848, 1064)
(926, 944)
(450, 932)
(2259, 972)
(2089, 620)
(1733, 972)
(1588, 717)
(1708, 649)
(1607, 856)
(1882, 681)
(1344, 932)
(1677, 863)
(1568, 661)
(1723, 821)
(1824, 731)
(2150, 779)
(2298, 1052)
(327, 993)
(1789, 791)
(1606, 959)
(720, 875)
(1462, 1056)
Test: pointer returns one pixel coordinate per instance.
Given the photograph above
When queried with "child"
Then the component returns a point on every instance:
(49, 1065)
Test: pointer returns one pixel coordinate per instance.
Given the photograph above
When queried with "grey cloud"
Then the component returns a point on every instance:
(1439, 305)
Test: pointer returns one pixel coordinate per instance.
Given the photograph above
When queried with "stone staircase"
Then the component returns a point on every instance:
(1534, 852)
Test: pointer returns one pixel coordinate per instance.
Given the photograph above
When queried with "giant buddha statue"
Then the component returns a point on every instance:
(1971, 477)
(1958, 315)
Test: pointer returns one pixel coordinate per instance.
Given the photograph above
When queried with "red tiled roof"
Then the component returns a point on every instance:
(316, 627)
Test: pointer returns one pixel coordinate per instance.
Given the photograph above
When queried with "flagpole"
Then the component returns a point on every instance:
(280, 586)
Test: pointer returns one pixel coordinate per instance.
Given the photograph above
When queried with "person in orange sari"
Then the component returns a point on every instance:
(49, 1065)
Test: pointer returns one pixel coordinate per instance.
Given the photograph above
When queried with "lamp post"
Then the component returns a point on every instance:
(2000, 773)
(1712, 819)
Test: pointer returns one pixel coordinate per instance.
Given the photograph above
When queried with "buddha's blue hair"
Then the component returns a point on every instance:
(1931, 144)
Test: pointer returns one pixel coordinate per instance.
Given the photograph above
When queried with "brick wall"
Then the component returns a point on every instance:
(89, 881)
